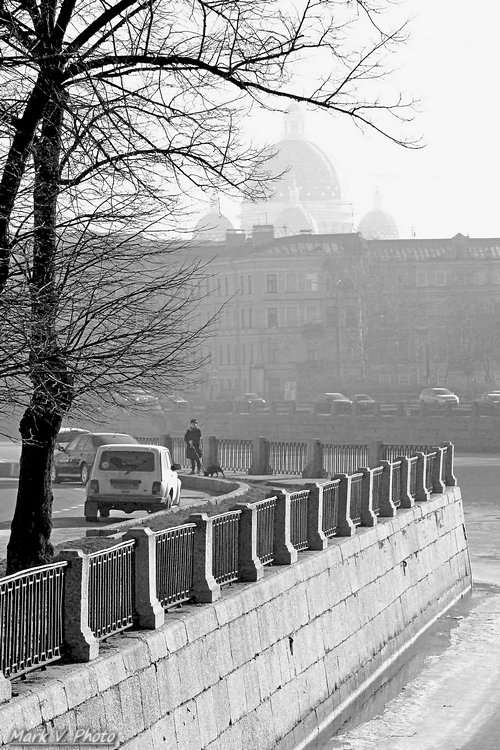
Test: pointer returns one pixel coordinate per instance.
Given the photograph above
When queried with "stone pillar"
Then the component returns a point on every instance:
(438, 485)
(284, 551)
(375, 453)
(148, 612)
(213, 451)
(345, 525)
(80, 644)
(368, 517)
(407, 501)
(249, 565)
(260, 459)
(387, 507)
(449, 478)
(422, 493)
(205, 587)
(5, 689)
(315, 534)
(314, 462)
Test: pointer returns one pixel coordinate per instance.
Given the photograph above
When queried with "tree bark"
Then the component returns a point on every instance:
(52, 393)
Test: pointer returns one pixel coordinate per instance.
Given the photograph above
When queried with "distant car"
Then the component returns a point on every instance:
(439, 397)
(363, 401)
(336, 400)
(492, 397)
(251, 400)
(132, 477)
(137, 398)
(172, 400)
(74, 462)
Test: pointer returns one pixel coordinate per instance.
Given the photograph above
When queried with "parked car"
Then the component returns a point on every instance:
(75, 460)
(250, 401)
(364, 402)
(67, 434)
(439, 397)
(327, 401)
(172, 401)
(488, 403)
(137, 398)
(132, 477)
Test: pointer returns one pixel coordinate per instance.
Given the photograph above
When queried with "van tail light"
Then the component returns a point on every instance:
(156, 488)
(94, 486)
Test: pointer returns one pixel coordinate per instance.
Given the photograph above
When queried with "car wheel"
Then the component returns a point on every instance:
(90, 511)
(84, 473)
(104, 512)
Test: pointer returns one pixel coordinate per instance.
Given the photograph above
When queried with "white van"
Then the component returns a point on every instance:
(132, 477)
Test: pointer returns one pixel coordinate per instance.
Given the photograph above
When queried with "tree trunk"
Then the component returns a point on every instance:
(52, 390)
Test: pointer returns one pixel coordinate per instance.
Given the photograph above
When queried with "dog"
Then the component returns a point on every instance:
(214, 470)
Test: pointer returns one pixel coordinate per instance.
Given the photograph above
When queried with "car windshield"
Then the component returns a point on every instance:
(335, 396)
(362, 396)
(127, 461)
(442, 391)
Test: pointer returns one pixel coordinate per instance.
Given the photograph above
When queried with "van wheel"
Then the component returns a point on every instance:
(84, 473)
(90, 511)
(104, 512)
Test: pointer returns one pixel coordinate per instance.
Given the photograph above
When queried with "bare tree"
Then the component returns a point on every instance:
(113, 106)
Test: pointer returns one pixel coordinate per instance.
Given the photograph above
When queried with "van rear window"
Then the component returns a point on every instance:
(127, 461)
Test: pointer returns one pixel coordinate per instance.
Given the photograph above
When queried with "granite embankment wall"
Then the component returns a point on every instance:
(266, 665)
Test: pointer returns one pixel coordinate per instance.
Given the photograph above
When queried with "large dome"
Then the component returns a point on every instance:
(310, 173)
(212, 226)
(378, 225)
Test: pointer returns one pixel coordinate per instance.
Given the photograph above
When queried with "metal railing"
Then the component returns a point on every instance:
(377, 489)
(287, 458)
(235, 455)
(179, 452)
(356, 498)
(174, 564)
(396, 483)
(391, 452)
(431, 458)
(330, 507)
(110, 589)
(412, 468)
(344, 459)
(225, 546)
(31, 618)
(266, 512)
(299, 506)
(146, 440)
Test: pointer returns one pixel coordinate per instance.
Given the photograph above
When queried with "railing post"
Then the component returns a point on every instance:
(213, 451)
(315, 534)
(250, 567)
(407, 501)
(168, 442)
(345, 526)
(284, 551)
(148, 612)
(260, 458)
(422, 493)
(205, 587)
(387, 507)
(449, 477)
(368, 517)
(314, 463)
(438, 486)
(375, 453)
(80, 644)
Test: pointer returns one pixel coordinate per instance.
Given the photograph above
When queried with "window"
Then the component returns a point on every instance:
(312, 314)
(291, 316)
(249, 284)
(272, 317)
(311, 282)
(272, 354)
(292, 282)
(421, 278)
(271, 283)
(250, 318)
(440, 278)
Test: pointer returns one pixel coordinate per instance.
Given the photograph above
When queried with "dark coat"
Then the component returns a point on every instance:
(193, 435)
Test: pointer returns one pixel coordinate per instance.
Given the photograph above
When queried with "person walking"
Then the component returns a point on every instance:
(194, 445)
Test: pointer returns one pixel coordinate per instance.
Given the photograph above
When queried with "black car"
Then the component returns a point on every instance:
(74, 461)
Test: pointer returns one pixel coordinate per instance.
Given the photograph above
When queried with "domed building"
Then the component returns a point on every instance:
(213, 226)
(377, 224)
(309, 184)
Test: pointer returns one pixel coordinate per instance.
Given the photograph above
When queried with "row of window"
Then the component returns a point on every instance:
(274, 283)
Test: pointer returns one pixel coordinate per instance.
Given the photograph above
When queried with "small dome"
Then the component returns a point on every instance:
(378, 225)
(212, 227)
(294, 219)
